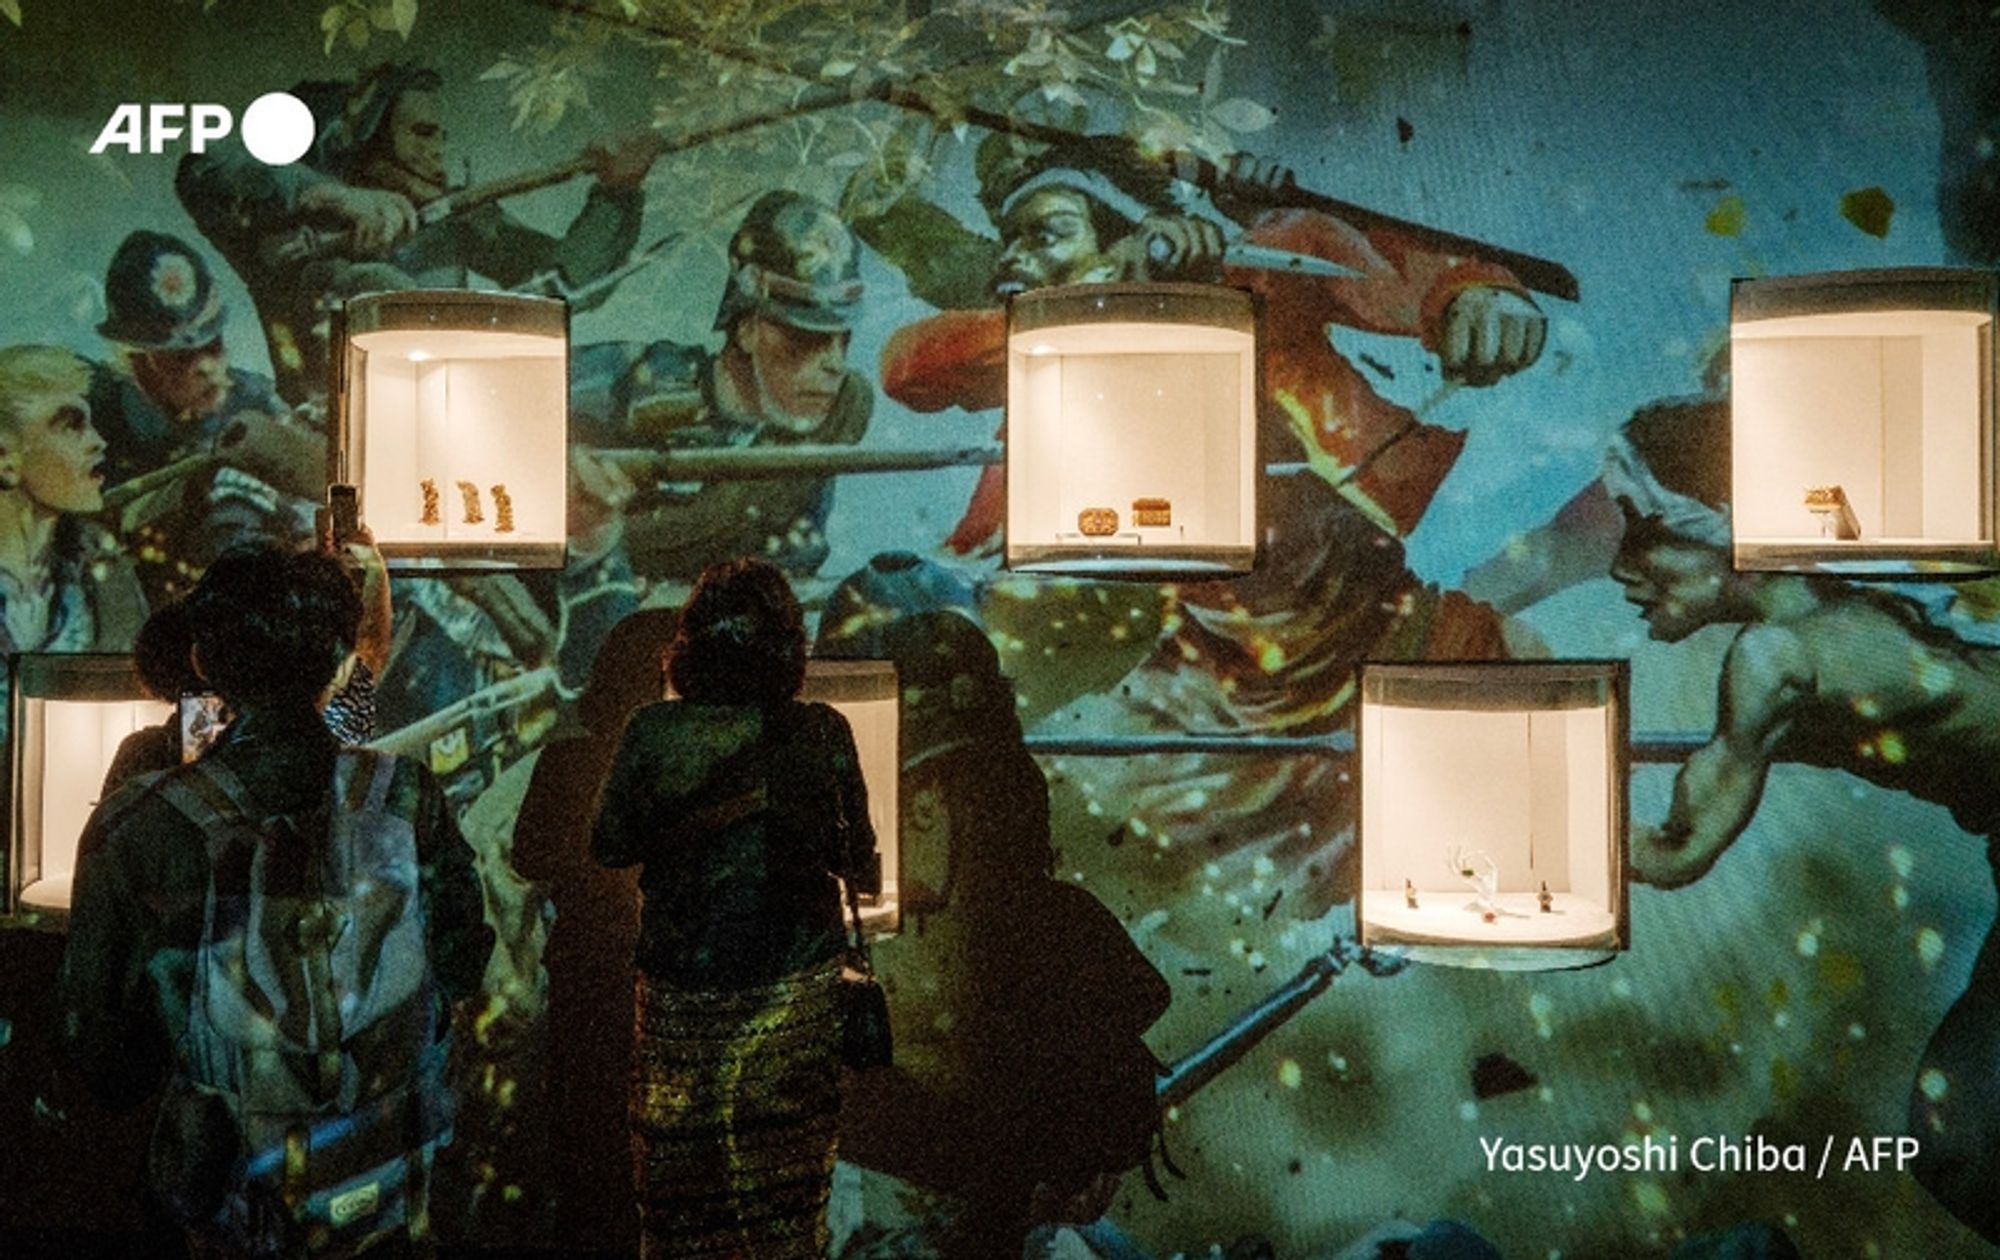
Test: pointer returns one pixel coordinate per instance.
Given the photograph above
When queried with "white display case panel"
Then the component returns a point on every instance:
(454, 426)
(67, 716)
(867, 694)
(1862, 423)
(1493, 821)
(1132, 430)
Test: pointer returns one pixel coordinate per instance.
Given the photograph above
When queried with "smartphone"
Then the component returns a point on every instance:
(202, 719)
(343, 504)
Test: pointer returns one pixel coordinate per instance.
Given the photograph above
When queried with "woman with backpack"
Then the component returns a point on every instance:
(744, 810)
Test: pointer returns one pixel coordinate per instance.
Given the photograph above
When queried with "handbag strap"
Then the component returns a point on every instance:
(860, 943)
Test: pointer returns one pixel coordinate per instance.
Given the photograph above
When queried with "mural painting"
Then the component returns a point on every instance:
(1491, 242)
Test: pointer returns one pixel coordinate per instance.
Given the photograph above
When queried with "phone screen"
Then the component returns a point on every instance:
(202, 720)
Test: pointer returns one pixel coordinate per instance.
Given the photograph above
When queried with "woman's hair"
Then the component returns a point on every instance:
(270, 626)
(742, 637)
(163, 654)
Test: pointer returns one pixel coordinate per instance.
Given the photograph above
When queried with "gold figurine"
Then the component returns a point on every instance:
(503, 509)
(1097, 522)
(1152, 512)
(1409, 894)
(432, 516)
(471, 494)
(1836, 515)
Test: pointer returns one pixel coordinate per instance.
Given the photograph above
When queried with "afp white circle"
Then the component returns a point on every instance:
(278, 129)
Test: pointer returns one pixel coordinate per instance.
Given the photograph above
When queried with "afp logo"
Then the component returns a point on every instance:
(277, 128)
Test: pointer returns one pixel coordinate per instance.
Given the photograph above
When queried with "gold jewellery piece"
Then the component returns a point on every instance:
(431, 513)
(1835, 513)
(503, 509)
(470, 492)
(1097, 522)
(1152, 512)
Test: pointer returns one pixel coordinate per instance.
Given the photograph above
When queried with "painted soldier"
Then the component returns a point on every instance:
(64, 584)
(367, 209)
(780, 379)
(169, 397)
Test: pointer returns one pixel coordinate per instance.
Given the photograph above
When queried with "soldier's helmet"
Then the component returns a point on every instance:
(792, 260)
(892, 587)
(159, 294)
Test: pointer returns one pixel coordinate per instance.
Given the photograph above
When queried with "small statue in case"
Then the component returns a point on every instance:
(470, 492)
(1152, 513)
(1546, 899)
(503, 509)
(1836, 515)
(432, 512)
(1096, 522)
(1409, 894)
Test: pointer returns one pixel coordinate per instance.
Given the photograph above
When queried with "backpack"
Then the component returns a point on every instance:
(310, 1089)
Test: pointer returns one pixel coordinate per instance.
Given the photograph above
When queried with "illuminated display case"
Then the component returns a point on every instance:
(1862, 422)
(1132, 430)
(453, 414)
(867, 694)
(1493, 819)
(67, 714)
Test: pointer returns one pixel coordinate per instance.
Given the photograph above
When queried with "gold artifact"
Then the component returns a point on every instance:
(431, 514)
(471, 494)
(1152, 512)
(503, 509)
(1097, 522)
(1836, 515)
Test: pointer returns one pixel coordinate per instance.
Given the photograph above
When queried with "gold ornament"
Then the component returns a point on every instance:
(470, 492)
(432, 515)
(1096, 522)
(503, 509)
(1152, 512)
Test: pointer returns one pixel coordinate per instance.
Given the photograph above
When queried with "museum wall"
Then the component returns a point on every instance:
(1492, 243)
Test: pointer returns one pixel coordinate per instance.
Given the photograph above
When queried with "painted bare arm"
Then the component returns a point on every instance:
(1718, 790)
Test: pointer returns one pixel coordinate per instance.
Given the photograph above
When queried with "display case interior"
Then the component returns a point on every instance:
(1493, 822)
(67, 716)
(453, 424)
(1131, 430)
(868, 695)
(1862, 423)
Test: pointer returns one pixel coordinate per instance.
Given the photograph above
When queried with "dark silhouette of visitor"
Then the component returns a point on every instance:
(270, 937)
(741, 806)
(588, 958)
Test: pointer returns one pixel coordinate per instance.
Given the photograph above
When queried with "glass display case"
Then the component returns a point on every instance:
(67, 714)
(1132, 430)
(867, 694)
(1862, 423)
(453, 423)
(1493, 821)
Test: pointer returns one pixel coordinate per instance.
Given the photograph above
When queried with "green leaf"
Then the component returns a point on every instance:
(1240, 113)
(11, 10)
(14, 230)
(403, 16)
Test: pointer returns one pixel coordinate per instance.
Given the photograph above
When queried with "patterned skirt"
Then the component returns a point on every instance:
(735, 1113)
